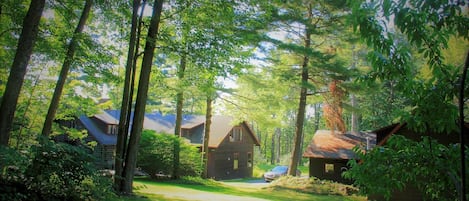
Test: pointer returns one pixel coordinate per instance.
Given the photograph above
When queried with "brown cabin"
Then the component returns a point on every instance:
(410, 193)
(329, 153)
(231, 147)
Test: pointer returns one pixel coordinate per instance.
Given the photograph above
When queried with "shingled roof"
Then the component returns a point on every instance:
(337, 146)
(97, 133)
(219, 129)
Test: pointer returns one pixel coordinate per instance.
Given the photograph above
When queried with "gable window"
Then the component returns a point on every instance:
(112, 129)
(235, 161)
(236, 134)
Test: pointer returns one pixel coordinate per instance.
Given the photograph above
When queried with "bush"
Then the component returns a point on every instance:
(155, 155)
(12, 180)
(429, 166)
(314, 186)
(51, 171)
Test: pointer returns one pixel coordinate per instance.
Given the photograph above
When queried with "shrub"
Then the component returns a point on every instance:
(155, 155)
(52, 171)
(313, 185)
(429, 166)
(12, 179)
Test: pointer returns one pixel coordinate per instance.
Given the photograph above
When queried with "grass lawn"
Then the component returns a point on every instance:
(174, 191)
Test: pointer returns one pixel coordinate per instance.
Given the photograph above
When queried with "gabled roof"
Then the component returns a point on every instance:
(96, 132)
(219, 129)
(383, 134)
(107, 118)
(337, 146)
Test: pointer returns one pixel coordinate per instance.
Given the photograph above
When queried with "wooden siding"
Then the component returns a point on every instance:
(104, 156)
(221, 160)
(100, 124)
(317, 168)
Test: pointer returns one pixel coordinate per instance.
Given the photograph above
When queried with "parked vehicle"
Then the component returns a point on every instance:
(277, 172)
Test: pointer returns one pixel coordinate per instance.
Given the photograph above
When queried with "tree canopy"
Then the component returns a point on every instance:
(296, 66)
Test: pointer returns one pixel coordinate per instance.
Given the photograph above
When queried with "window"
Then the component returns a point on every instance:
(329, 168)
(236, 134)
(249, 159)
(112, 129)
(235, 161)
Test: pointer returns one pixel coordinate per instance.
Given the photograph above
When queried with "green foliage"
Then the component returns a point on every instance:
(429, 166)
(155, 155)
(407, 50)
(51, 171)
(12, 166)
(409, 40)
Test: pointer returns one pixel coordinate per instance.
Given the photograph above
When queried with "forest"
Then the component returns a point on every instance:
(287, 67)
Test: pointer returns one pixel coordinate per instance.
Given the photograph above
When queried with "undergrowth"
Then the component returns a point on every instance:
(313, 186)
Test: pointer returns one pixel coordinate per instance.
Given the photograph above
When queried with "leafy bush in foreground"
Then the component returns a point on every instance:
(429, 166)
(50, 171)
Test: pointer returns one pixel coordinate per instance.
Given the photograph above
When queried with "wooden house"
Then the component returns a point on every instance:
(329, 153)
(383, 134)
(231, 147)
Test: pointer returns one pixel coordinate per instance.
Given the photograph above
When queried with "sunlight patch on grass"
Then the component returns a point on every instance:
(179, 190)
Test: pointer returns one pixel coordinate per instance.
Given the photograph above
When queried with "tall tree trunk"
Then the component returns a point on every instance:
(462, 135)
(272, 149)
(354, 118)
(208, 123)
(179, 106)
(317, 116)
(142, 93)
(126, 100)
(353, 99)
(69, 57)
(259, 134)
(18, 69)
(300, 117)
(278, 133)
(265, 145)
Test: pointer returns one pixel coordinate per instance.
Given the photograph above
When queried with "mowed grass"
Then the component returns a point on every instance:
(147, 190)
